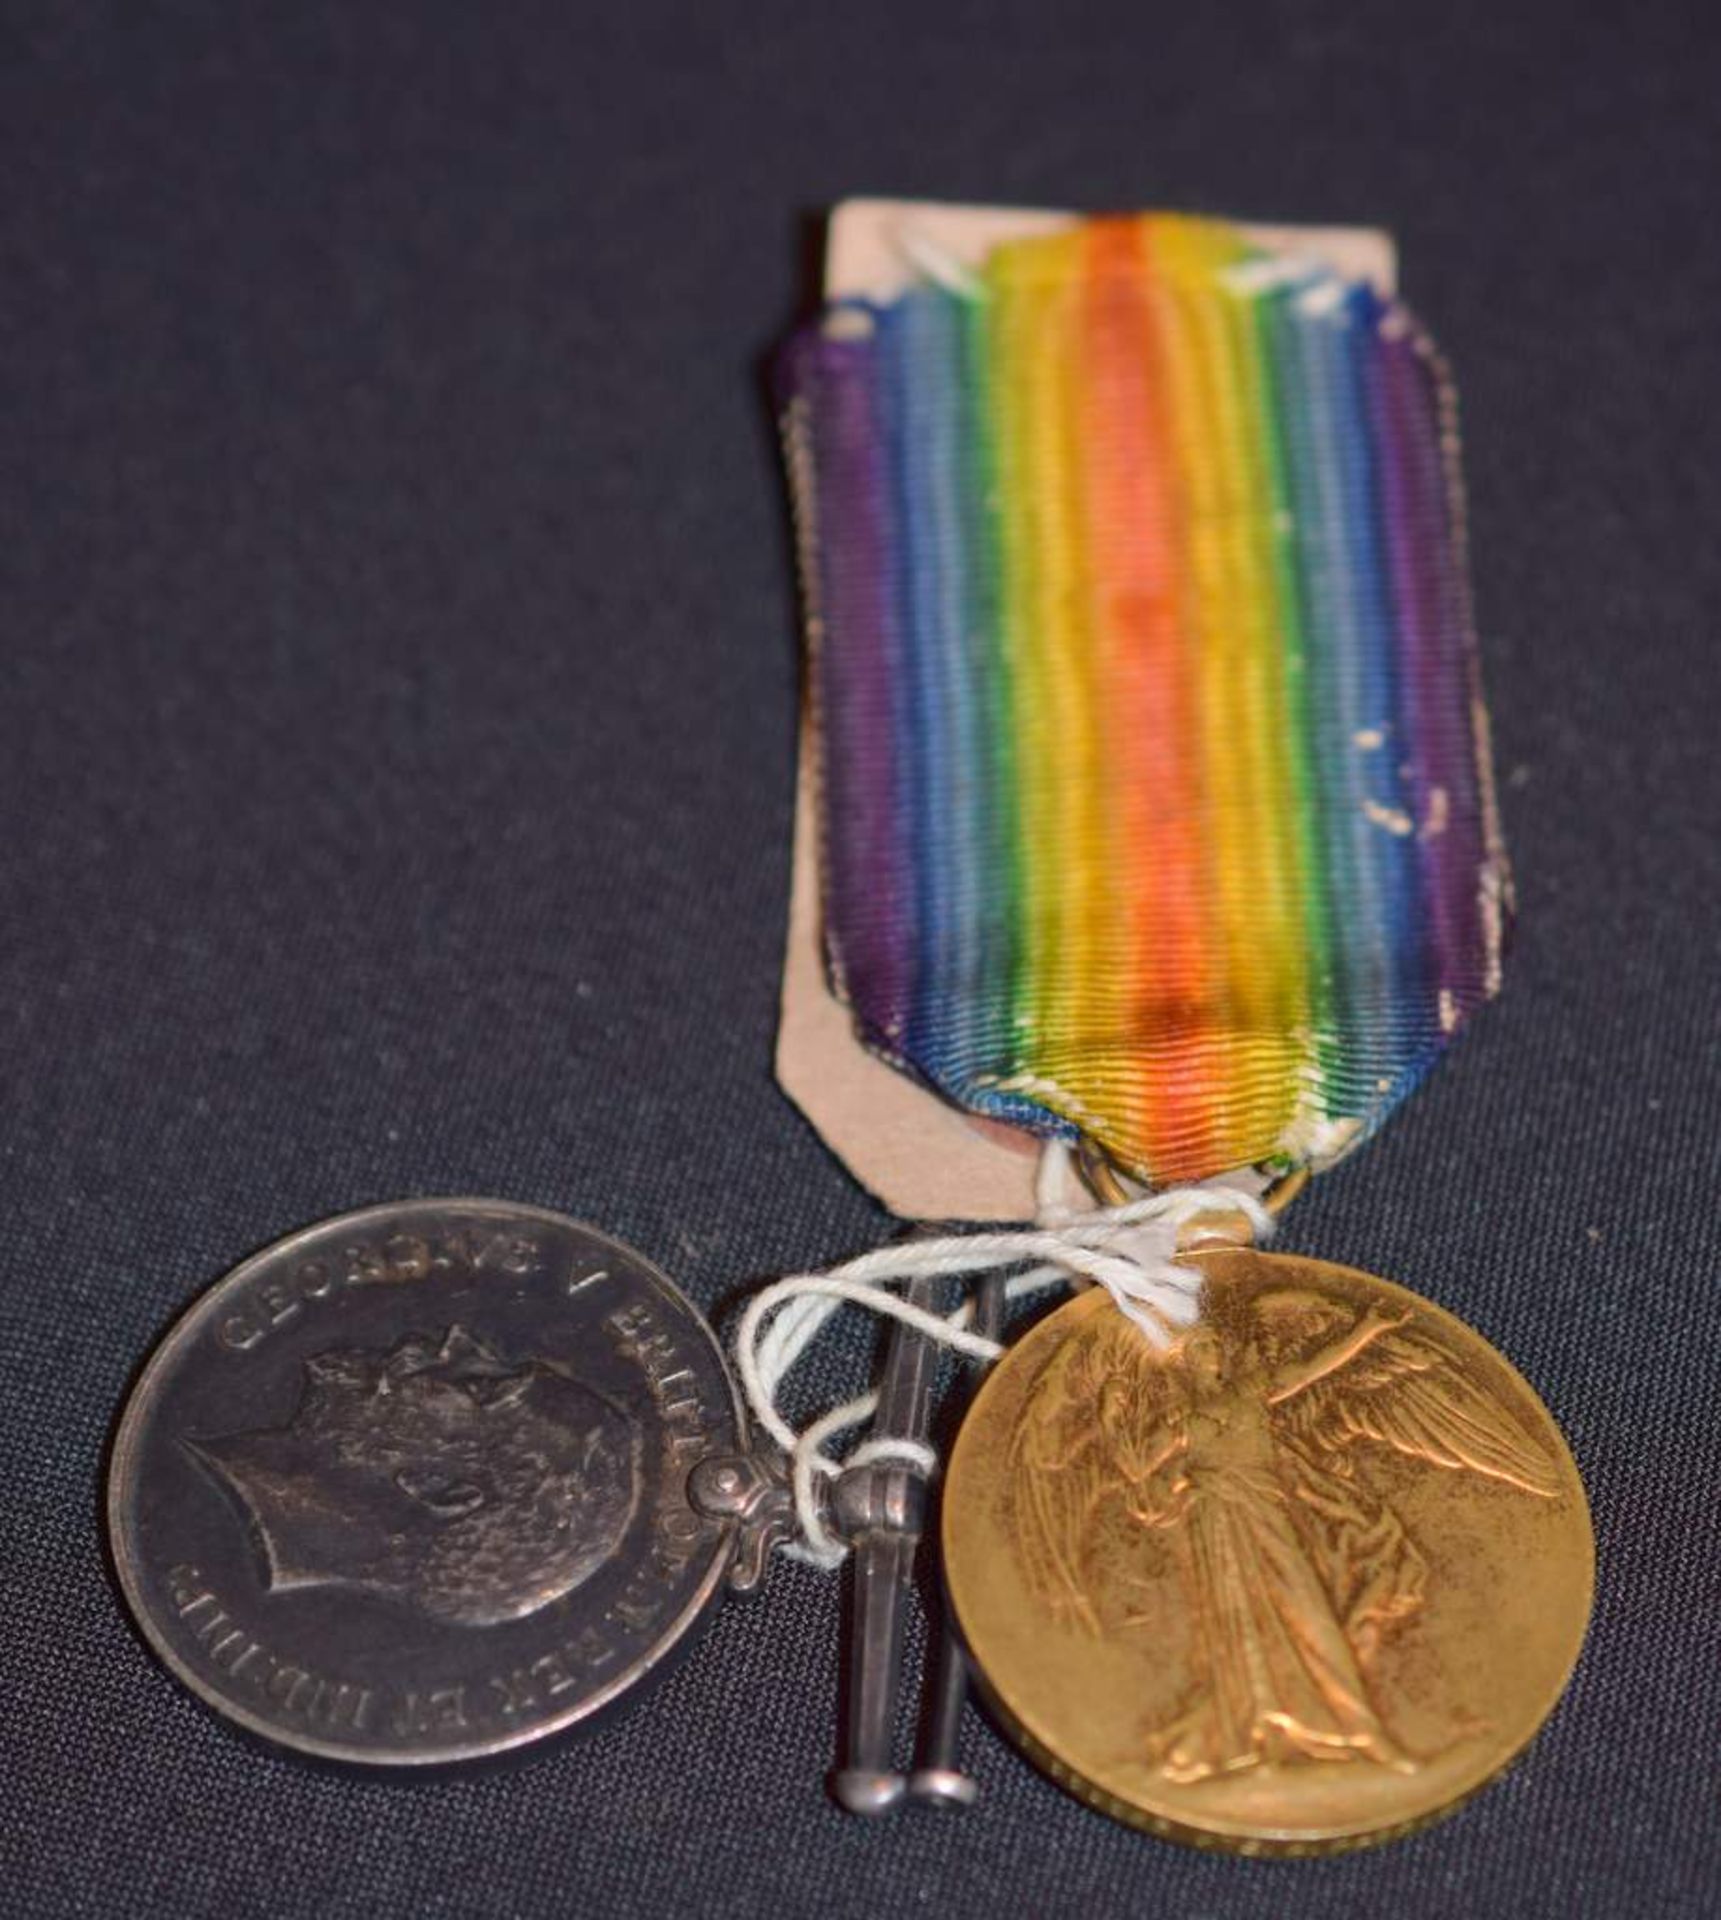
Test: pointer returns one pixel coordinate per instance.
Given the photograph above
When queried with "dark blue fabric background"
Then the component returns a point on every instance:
(397, 688)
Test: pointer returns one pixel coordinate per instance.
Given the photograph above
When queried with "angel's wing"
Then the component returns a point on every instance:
(1406, 1392)
(1063, 1465)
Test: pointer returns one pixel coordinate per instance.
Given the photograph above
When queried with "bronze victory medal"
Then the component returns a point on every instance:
(413, 1485)
(1303, 1582)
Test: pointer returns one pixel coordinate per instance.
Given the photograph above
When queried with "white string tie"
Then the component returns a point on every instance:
(943, 268)
(1130, 1250)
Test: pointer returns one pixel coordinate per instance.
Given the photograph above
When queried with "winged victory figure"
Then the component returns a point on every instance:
(1238, 1443)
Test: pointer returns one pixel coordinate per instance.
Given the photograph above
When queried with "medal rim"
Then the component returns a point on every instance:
(125, 1548)
(1219, 1837)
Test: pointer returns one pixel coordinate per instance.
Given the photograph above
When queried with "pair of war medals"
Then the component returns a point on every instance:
(1146, 799)
(430, 1482)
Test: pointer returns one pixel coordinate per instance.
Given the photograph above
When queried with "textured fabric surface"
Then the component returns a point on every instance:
(1143, 659)
(398, 677)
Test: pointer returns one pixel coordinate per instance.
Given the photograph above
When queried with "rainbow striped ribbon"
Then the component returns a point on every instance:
(1155, 789)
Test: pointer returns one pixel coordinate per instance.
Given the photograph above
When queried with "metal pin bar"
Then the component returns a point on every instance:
(881, 1509)
(938, 1779)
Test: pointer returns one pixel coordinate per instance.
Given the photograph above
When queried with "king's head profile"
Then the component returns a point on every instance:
(437, 1475)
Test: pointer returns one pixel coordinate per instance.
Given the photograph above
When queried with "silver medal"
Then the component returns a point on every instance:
(432, 1481)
